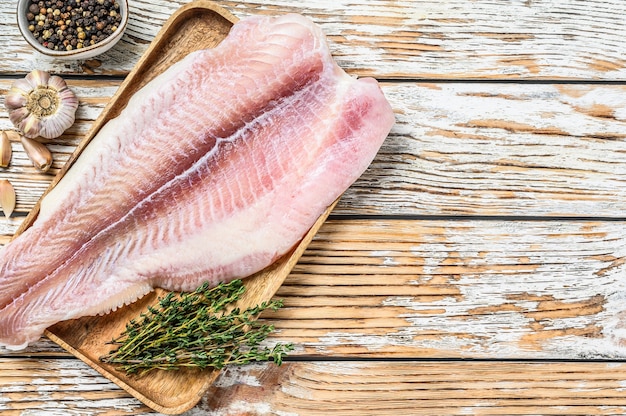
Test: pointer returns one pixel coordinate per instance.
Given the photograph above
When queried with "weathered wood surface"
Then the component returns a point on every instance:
(456, 289)
(421, 388)
(460, 39)
(457, 149)
(478, 265)
(62, 386)
(506, 289)
(421, 289)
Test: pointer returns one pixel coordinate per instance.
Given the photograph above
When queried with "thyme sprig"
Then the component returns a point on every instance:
(196, 329)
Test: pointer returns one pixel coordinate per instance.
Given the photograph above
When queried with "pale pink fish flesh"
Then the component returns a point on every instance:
(214, 170)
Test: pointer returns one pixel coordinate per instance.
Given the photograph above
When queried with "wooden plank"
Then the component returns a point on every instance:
(455, 39)
(499, 149)
(457, 149)
(60, 386)
(343, 388)
(464, 288)
(420, 388)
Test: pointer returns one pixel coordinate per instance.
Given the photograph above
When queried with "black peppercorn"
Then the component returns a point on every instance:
(72, 21)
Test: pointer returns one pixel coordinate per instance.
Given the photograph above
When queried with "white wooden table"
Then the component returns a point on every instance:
(478, 266)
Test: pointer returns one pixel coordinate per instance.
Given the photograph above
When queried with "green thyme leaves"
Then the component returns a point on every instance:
(197, 329)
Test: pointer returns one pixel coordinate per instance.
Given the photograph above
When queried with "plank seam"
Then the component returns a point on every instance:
(495, 218)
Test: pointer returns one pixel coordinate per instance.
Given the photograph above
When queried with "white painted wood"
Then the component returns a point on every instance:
(57, 387)
(452, 39)
(419, 388)
(499, 149)
(60, 387)
(457, 149)
(462, 288)
(490, 288)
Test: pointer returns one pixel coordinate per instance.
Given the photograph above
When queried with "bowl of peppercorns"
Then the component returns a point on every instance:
(72, 29)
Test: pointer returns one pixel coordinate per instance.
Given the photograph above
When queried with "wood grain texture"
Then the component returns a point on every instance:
(452, 39)
(51, 386)
(420, 388)
(451, 270)
(463, 288)
(341, 388)
(457, 149)
(499, 149)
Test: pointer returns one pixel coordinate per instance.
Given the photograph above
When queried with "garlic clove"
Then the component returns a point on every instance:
(7, 197)
(5, 150)
(52, 130)
(57, 83)
(15, 99)
(16, 116)
(30, 125)
(13, 135)
(41, 105)
(21, 86)
(38, 153)
(37, 78)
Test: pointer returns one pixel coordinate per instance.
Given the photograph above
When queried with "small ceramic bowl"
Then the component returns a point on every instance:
(83, 53)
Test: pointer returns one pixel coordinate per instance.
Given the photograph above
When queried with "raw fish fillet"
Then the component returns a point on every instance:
(214, 170)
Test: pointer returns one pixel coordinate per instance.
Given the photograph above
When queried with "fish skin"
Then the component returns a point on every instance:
(191, 213)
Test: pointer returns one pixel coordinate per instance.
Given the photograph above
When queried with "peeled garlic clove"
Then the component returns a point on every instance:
(38, 153)
(7, 197)
(5, 150)
(41, 105)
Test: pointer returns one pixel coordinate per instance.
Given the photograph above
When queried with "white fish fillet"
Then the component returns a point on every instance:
(214, 170)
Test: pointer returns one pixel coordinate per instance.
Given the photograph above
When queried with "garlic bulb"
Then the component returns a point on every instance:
(41, 105)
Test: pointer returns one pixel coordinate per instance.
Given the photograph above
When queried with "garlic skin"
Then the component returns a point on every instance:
(7, 197)
(41, 105)
(5, 150)
(38, 153)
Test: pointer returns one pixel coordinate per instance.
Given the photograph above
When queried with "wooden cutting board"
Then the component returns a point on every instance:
(197, 25)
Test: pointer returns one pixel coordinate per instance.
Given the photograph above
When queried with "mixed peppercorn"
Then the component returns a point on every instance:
(65, 25)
